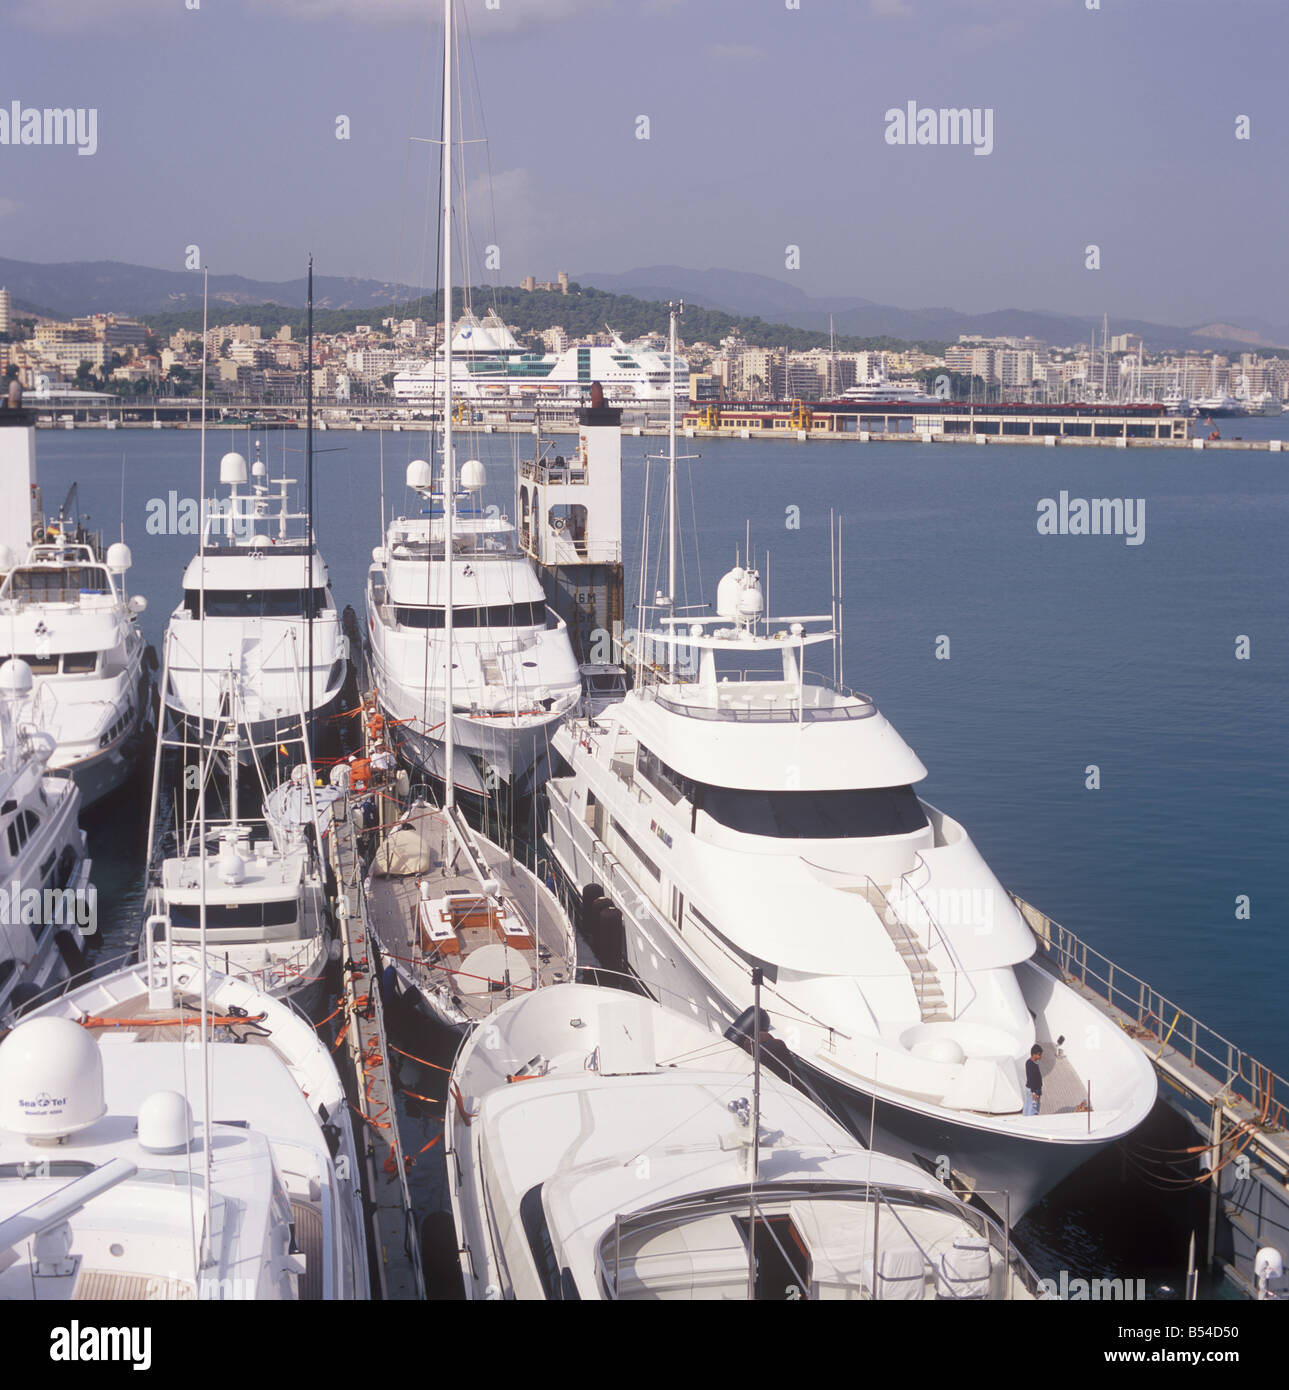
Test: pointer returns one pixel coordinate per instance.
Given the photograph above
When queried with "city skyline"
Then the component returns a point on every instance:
(768, 129)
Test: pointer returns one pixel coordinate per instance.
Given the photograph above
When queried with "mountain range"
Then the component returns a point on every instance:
(74, 288)
(740, 292)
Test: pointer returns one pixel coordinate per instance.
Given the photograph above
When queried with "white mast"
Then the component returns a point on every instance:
(671, 487)
(449, 465)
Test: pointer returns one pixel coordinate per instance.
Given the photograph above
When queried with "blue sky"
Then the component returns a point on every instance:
(1114, 126)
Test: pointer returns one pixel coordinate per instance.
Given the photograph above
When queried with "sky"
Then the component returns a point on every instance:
(1113, 126)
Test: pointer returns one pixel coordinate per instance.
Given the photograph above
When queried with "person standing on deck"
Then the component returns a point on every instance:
(1033, 1081)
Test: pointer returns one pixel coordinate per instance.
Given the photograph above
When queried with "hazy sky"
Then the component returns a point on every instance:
(1114, 126)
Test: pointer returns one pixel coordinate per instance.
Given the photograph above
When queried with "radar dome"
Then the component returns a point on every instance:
(51, 1079)
(232, 867)
(165, 1123)
(419, 475)
(727, 592)
(258, 470)
(473, 475)
(232, 469)
(15, 678)
(119, 558)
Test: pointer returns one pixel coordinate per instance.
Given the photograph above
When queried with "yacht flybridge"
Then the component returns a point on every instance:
(602, 1146)
(771, 820)
(257, 602)
(514, 673)
(128, 1188)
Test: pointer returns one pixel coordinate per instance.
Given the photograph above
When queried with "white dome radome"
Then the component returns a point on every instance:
(473, 475)
(727, 592)
(165, 1123)
(232, 469)
(419, 475)
(15, 678)
(119, 558)
(51, 1079)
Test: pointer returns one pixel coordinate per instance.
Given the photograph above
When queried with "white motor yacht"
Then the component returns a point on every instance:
(514, 673)
(119, 1181)
(47, 907)
(602, 1146)
(257, 602)
(739, 811)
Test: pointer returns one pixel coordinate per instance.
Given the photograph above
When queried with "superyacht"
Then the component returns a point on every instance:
(257, 621)
(649, 1158)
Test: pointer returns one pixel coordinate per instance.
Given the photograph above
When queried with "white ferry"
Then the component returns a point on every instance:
(491, 368)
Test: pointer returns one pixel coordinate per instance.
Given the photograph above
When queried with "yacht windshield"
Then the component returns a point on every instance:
(860, 813)
(258, 603)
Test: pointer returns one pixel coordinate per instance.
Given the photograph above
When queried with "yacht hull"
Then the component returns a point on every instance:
(487, 754)
(267, 734)
(982, 1157)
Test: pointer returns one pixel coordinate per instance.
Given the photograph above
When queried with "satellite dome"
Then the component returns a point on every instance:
(258, 470)
(232, 867)
(15, 678)
(165, 1123)
(119, 558)
(473, 475)
(727, 592)
(232, 469)
(51, 1079)
(419, 475)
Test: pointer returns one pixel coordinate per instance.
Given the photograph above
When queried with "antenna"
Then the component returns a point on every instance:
(201, 794)
(449, 463)
(756, 1131)
(671, 478)
(310, 578)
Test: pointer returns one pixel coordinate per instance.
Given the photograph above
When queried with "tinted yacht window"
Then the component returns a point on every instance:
(815, 815)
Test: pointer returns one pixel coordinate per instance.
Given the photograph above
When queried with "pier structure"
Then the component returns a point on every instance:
(1236, 1108)
(936, 421)
(570, 525)
(392, 1228)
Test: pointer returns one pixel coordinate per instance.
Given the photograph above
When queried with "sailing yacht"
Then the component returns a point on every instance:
(42, 852)
(603, 1146)
(268, 617)
(464, 923)
(740, 811)
(118, 1181)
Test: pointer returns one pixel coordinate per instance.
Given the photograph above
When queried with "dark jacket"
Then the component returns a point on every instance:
(1033, 1077)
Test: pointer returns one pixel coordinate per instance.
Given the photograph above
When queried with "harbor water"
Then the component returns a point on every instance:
(1102, 712)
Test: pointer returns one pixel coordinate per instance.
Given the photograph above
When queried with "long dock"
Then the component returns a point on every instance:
(393, 1231)
(1238, 1108)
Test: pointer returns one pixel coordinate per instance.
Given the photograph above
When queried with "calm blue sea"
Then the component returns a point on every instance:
(1065, 652)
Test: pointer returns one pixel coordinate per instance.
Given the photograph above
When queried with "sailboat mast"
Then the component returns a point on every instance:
(671, 487)
(449, 463)
(202, 725)
(311, 579)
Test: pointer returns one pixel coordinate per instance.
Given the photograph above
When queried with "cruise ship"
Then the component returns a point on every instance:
(491, 368)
